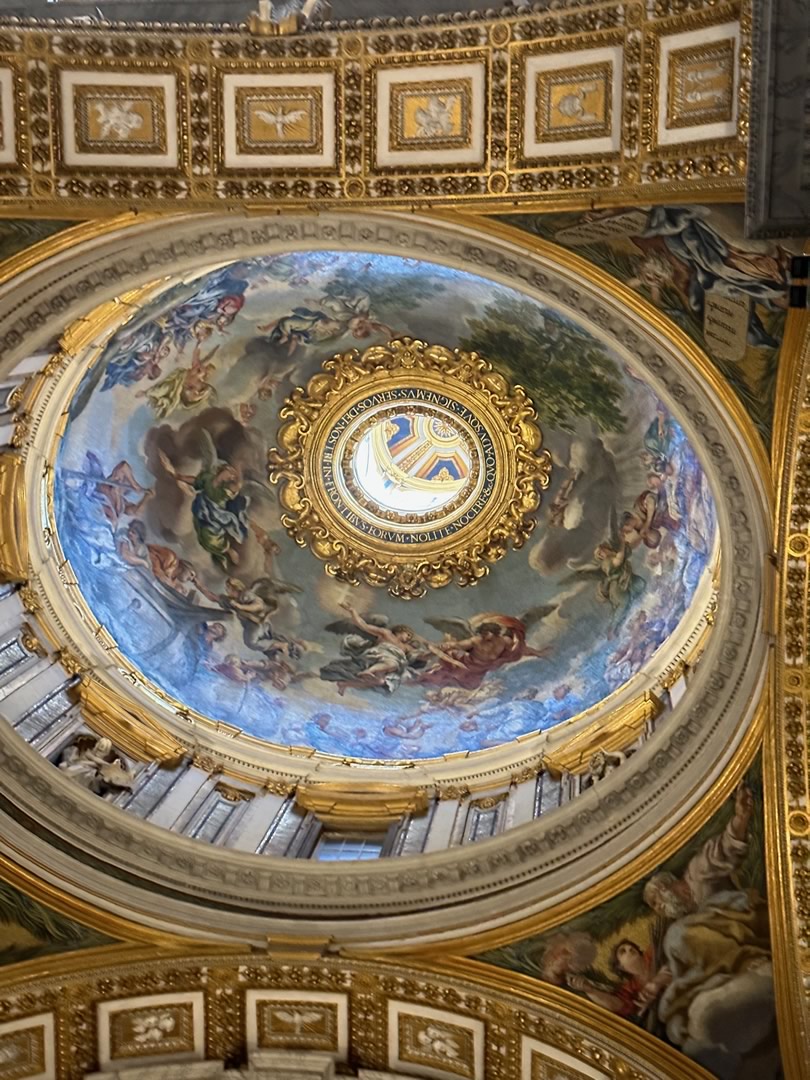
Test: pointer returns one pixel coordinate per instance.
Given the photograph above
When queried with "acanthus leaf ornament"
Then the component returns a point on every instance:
(409, 466)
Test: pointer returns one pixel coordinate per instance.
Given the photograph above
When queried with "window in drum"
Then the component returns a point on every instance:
(340, 847)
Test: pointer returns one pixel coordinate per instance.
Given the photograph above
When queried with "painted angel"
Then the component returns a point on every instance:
(183, 388)
(339, 312)
(220, 504)
(270, 382)
(616, 582)
(374, 654)
(472, 648)
(254, 606)
(138, 355)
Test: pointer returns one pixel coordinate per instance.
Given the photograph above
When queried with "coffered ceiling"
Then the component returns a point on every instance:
(578, 105)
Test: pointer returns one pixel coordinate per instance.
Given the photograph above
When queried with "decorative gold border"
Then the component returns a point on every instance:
(407, 570)
(266, 1039)
(401, 90)
(33, 1039)
(786, 759)
(215, 182)
(521, 52)
(511, 1003)
(179, 1041)
(396, 61)
(155, 95)
(723, 48)
(40, 186)
(150, 177)
(729, 152)
(19, 101)
(312, 95)
(545, 80)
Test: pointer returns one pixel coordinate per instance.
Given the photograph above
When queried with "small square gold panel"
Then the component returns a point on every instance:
(436, 1044)
(120, 119)
(284, 120)
(431, 115)
(305, 1025)
(546, 1068)
(574, 103)
(162, 1029)
(700, 88)
(22, 1053)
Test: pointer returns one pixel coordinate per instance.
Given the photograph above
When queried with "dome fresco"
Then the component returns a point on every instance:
(174, 533)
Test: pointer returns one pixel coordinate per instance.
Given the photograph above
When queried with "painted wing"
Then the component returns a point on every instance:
(536, 615)
(270, 589)
(270, 118)
(259, 486)
(456, 628)
(206, 449)
(346, 626)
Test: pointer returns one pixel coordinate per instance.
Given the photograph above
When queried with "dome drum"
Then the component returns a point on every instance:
(457, 717)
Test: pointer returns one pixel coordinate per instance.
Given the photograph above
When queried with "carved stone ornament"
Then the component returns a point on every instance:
(336, 468)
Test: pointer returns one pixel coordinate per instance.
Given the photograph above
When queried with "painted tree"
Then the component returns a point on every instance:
(567, 372)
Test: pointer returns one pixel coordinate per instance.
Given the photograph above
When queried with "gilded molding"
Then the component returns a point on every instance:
(233, 794)
(527, 861)
(361, 542)
(360, 806)
(785, 754)
(56, 170)
(133, 732)
(507, 1008)
(616, 732)
(30, 641)
(13, 517)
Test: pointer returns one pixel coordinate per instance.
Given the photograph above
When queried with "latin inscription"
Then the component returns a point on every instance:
(406, 394)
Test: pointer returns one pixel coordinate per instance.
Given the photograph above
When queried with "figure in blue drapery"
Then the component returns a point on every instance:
(715, 263)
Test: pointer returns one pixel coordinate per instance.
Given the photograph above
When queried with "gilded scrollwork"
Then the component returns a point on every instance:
(325, 426)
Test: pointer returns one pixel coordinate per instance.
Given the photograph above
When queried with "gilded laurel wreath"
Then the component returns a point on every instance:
(496, 478)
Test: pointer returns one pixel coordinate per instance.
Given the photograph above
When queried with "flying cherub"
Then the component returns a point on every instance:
(117, 119)
(435, 118)
(269, 383)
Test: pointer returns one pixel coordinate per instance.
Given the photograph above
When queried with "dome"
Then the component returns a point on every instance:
(281, 672)
(196, 564)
